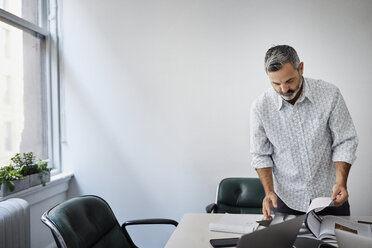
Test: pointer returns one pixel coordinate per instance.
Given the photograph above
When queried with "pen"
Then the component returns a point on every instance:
(365, 222)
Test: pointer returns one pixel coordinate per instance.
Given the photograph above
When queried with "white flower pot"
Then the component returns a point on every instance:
(35, 179)
(19, 185)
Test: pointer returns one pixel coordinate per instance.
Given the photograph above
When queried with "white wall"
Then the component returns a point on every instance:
(157, 93)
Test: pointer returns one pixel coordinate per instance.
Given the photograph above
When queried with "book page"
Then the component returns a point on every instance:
(313, 223)
(235, 223)
(320, 203)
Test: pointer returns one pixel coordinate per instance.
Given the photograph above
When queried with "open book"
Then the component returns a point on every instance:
(323, 227)
(235, 223)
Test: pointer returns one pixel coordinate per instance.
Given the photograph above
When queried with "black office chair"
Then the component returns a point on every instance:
(239, 196)
(88, 221)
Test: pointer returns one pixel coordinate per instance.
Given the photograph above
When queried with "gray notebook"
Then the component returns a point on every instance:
(347, 239)
(282, 235)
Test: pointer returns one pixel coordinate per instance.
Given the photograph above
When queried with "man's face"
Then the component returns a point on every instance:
(286, 80)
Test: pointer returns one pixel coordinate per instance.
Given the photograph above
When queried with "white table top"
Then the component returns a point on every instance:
(193, 230)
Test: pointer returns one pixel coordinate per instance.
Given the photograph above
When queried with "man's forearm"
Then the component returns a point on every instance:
(342, 172)
(266, 177)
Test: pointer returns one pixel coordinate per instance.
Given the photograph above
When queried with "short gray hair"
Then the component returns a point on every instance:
(277, 56)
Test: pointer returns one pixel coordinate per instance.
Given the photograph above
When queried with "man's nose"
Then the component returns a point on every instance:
(284, 88)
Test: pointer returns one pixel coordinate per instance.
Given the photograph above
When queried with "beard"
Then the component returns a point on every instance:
(291, 94)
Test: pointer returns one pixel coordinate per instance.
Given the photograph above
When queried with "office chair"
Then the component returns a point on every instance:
(88, 221)
(239, 196)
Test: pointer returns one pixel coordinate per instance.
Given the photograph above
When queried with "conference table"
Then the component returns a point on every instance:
(193, 230)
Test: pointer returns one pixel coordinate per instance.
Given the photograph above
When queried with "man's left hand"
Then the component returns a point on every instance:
(340, 195)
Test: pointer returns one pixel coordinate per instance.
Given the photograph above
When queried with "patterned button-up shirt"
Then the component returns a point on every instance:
(301, 142)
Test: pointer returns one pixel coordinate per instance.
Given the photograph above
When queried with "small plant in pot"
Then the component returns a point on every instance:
(12, 180)
(24, 172)
(36, 171)
(43, 170)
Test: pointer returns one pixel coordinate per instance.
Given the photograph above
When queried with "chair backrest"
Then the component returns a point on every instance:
(85, 221)
(240, 195)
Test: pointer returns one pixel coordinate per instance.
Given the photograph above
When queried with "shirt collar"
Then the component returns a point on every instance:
(306, 93)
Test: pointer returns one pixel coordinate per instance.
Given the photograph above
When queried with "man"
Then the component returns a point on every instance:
(303, 140)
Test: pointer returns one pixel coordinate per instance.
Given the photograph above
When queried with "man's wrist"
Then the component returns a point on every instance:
(341, 184)
(270, 193)
(342, 172)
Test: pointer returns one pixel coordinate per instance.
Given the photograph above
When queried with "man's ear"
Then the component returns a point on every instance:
(301, 68)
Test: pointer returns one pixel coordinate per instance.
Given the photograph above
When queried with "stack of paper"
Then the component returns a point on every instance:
(235, 223)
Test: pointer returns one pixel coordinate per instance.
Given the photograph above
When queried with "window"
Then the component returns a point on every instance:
(30, 10)
(8, 139)
(5, 42)
(28, 80)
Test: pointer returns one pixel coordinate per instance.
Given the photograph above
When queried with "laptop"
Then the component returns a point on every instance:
(282, 235)
(347, 239)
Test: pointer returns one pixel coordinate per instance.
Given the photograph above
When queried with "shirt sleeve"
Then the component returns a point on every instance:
(345, 140)
(261, 148)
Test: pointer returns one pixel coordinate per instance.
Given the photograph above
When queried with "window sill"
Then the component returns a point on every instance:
(57, 185)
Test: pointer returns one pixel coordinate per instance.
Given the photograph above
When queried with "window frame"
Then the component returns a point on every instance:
(47, 32)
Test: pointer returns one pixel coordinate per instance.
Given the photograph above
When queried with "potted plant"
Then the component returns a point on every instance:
(24, 172)
(11, 180)
(36, 171)
(43, 171)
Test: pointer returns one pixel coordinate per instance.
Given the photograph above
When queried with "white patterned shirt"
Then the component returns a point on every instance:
(302, 141)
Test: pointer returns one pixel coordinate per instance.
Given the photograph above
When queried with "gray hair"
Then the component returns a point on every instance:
(277, 56)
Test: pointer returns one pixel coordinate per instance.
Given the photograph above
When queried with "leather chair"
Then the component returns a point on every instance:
(88, 221)
(239, 196)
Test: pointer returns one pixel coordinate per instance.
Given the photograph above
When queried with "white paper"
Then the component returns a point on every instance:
(320, 203)
(235, 223)
(314, 222)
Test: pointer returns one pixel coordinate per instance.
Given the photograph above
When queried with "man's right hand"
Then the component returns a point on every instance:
(268, 202)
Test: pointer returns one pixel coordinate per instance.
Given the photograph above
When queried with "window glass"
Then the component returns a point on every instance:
(26, 9)
(23, 101)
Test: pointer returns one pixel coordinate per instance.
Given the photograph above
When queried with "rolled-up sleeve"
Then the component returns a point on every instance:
(261, 148)
(345, 140)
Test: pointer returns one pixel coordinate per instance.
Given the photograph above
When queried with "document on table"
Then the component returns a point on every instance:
(235, 223)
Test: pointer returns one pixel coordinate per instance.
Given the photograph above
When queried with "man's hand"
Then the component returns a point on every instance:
(340, 195)
(268, 202)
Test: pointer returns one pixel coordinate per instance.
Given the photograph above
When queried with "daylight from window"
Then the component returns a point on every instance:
(23, 114)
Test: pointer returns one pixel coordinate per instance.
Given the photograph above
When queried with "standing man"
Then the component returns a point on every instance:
(303, 139)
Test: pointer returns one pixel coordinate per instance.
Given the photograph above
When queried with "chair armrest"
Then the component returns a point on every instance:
(211, 208)
(144, 222)
(150, 222)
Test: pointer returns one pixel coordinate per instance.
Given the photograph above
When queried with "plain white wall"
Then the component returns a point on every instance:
(157, 93)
